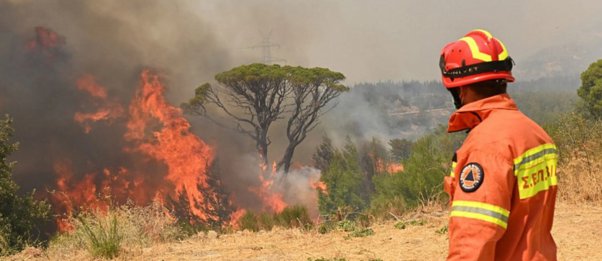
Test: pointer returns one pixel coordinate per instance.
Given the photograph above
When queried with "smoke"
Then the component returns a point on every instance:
(401, 40)
(112, 40)
(188, 42)
(70, 71)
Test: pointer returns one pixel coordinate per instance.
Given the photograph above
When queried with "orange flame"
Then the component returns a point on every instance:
(108, 109)
(70, 193)
(45, 38)
(187, 157)
(159, 132)
(320, 186)
(389, 167)
(272, 200)
(235, 217)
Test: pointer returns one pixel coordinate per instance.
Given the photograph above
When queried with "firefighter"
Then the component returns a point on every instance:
(503, 182)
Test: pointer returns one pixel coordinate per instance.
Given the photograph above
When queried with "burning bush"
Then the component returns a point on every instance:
(20, 217)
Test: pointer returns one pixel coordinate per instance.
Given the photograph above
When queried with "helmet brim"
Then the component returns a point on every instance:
(449, 83)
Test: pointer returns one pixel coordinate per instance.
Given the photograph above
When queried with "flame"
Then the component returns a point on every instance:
(186, 156)
(235, 217)
(46, 43)
(320, 186)
(45, 38)
(155, 131)
(271, 199)
(389, 167)
(393, 168)
(70, 193)
(108, 109)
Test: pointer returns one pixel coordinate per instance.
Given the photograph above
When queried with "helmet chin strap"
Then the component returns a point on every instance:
(455, 92)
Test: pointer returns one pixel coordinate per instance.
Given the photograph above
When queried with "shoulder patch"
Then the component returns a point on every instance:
(471, 177)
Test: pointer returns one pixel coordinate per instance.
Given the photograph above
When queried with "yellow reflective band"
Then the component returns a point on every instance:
(535, 170)
(474, 49)
(479, 217)
(482, 205)
(454, 164)
(488, 34)
(481, 211)
(535, 156)
(504, 54)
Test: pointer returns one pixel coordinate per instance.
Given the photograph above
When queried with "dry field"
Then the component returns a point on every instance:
(577, 230)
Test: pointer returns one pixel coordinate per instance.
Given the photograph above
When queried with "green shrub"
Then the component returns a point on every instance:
(429, 163)
(289, 217)
(388, 197)
(21, 217)
(405, 224)
(102, 237)
(127, 226)
(294, 216)
(344, 179)
(248, 221)
(421, 181)
(347, 225)
(364, 232)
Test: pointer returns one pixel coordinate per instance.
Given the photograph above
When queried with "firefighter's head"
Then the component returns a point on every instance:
(475, 66)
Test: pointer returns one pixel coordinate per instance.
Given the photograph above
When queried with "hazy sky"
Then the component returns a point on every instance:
(393, 40)
(365, 40)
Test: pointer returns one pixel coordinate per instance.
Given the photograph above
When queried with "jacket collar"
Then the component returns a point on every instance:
(470, 115)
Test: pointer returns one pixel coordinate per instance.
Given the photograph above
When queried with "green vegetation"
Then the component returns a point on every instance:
(103, 238)
(591, 89)
(290, 217)
(358, 187)
(352, 227)
(442, 231)
(579, 140)
(104, 233)
(343, 177)
(405, 224)
(266, 93)
(20, 216)
(358, 181)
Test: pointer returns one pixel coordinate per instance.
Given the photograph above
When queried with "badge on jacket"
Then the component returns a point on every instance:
(471, 177)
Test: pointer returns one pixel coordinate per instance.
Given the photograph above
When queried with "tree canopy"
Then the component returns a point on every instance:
(591, 89)
(257, 95)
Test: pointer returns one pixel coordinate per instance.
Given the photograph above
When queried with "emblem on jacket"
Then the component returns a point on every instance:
(471, 177)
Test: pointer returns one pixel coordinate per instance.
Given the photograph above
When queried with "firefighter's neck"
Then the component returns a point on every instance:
(468, 95)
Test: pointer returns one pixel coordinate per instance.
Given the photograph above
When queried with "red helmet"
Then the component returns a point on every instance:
(476, 57)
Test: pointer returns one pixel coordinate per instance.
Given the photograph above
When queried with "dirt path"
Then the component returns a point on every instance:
(577, 230)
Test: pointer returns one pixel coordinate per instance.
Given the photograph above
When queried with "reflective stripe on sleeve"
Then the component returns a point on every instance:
(481, 211)
(535, 155)
(453, 168)
(535, 170)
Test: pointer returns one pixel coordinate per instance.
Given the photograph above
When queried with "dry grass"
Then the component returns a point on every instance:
(580, 177)
(580, 165)
(129, 228)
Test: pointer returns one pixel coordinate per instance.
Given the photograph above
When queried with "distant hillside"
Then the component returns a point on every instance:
(388, 110)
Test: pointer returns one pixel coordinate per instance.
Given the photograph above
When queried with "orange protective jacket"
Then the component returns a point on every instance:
(502, 186)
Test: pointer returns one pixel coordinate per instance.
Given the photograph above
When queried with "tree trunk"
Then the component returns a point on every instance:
(285, 163)
(262, 150)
